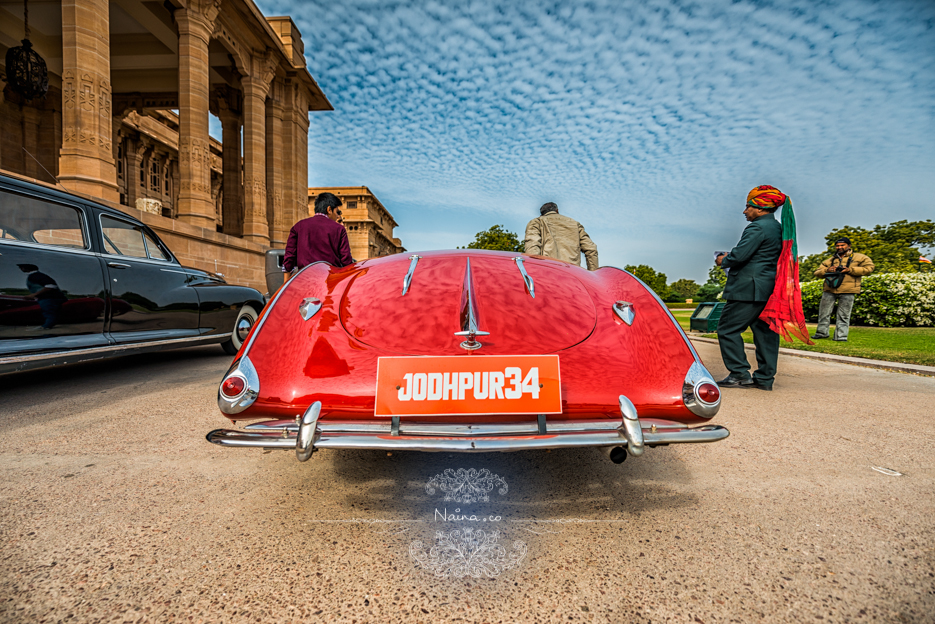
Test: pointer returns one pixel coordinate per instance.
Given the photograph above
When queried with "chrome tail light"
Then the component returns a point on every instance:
(239, 388)
(700, 392)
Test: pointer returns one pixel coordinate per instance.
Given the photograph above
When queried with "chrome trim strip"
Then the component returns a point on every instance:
(121, 347)
(440, 429)
(413, 261)
(664, 307)
(631, 428)
(272, 440)
(530, 285)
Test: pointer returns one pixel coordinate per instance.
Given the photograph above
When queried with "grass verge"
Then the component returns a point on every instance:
(909, 345)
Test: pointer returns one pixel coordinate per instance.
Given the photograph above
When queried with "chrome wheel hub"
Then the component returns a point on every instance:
(243, 328)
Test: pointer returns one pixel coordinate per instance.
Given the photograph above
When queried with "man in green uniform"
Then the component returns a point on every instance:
(751, 277)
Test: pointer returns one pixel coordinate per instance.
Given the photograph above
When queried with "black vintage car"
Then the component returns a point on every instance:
(80, 281)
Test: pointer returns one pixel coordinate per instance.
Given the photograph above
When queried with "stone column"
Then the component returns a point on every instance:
(196, 23)
(31, 143)
(232, 195)
(256, 87)
(274, 167)
(289, 215)
(86, 164)
(300, 151)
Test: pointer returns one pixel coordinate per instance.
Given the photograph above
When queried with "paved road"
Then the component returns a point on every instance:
(114, 508)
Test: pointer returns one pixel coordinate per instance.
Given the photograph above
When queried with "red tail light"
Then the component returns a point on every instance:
(233, 386)
(708, 393)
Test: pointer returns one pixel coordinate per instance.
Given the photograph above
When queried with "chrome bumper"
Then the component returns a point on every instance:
(308, 434)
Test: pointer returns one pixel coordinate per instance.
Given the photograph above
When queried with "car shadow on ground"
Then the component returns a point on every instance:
(88, 385)
(565, 483)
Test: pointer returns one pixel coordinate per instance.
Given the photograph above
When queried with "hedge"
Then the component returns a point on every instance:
(886, 300)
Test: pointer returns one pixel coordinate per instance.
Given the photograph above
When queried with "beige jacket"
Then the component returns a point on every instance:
(560, 237)
(860, 265)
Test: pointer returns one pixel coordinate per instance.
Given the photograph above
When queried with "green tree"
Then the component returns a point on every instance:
(716, 275)
(709, 292)
(656, 281)
(684, 288)
(712, 289)
(496, 238)
(894, 248)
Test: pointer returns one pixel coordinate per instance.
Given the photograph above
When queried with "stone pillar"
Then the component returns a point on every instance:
(256, 86)
(274, 167)
(289, 215)
(232, 195)
(300, 151)
(196, 23)
(31, 143)
(86, 164)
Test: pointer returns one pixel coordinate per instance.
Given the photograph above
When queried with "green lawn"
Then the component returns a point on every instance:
(908, 345)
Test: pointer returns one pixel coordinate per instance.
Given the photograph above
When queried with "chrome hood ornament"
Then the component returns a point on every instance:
(413, 261)
(527, 281)
(469, 313)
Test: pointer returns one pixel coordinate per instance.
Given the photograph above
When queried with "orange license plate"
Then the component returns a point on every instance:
(477, 384)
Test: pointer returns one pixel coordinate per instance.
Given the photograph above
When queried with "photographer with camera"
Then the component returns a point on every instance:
(842, 273)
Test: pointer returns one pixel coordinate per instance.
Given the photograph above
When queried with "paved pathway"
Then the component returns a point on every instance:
(114, 508)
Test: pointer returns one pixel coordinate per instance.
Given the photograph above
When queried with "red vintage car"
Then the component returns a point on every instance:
(467, 351)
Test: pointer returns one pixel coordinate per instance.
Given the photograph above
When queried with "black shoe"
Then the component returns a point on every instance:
(734, 382)
(817, 337)
(756, 385)
(840, 339)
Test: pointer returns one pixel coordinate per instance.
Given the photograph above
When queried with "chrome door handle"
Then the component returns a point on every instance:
(118, 265)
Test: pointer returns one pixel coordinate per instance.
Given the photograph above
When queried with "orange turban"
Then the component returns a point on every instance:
(766, 196)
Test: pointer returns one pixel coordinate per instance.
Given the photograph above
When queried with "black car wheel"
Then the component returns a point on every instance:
(242, 326)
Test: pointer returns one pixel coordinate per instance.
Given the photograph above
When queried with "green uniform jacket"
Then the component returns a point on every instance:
(752, 262)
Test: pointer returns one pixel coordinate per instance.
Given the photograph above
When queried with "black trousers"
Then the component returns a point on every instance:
(736, 317)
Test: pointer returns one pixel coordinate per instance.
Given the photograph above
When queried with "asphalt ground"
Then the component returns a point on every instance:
(114, 508)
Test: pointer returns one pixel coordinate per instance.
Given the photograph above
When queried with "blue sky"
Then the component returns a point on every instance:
(647, 121)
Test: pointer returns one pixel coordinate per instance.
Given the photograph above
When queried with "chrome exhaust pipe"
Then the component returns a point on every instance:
(617, 454)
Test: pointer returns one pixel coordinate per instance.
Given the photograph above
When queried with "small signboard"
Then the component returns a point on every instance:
(468, 385)
(706, 316)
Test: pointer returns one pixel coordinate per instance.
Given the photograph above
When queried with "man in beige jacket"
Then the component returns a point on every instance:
(850, 266)
(559, 237)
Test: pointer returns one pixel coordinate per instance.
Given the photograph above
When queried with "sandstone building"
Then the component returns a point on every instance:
(369, 224)
(126, 117)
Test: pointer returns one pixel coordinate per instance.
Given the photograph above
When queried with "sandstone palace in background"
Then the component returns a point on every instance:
(125, 121)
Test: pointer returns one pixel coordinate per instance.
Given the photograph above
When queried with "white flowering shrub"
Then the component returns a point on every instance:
(886, 300)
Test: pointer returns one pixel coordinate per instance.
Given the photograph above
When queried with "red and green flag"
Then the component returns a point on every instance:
(783, 311)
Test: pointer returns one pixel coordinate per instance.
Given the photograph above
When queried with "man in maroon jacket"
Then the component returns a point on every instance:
(319, 237)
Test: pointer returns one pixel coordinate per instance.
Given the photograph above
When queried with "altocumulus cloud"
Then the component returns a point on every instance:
(648, 121)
